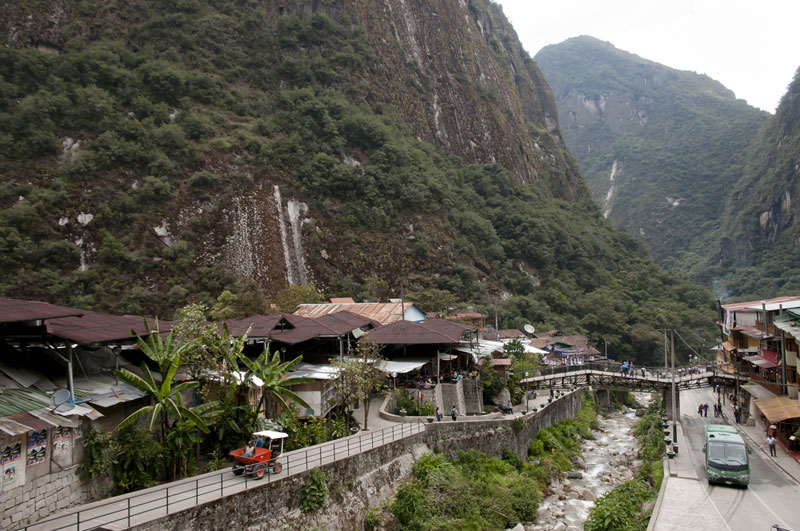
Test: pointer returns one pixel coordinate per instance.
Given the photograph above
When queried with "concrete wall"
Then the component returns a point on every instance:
(364, 480)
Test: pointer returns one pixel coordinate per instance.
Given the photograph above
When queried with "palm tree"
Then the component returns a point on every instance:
(166, 398)
(273, 373)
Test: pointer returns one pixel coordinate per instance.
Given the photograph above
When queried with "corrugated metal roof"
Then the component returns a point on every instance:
(12, 427)
(18, 400)
(14, 310)
(283, 327)
(771, 304)
(383, 312)
(95, 327)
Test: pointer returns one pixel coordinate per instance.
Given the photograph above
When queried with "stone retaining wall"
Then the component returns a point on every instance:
(365, 480)
(43, 496)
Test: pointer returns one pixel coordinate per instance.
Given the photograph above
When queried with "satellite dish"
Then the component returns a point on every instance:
(357, 332)
(59, 397)
(529, 328)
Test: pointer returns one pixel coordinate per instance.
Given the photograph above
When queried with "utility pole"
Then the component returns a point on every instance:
(784, 386)
(674, 415)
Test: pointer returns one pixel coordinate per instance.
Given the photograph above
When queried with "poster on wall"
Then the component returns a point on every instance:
(37, 447)
(13, 473)
(62, 446)
(9, 475)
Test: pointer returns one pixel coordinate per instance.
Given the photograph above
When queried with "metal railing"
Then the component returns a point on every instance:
(142, 506)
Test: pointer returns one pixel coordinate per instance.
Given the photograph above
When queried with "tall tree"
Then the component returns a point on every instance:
(361, 377)
(166, 397)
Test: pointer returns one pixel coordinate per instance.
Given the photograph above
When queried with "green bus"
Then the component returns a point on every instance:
(727, 459)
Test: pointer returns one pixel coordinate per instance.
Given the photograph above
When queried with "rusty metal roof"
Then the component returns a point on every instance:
(14, 310)
(95, 327)
(408, 333)
(383, 312)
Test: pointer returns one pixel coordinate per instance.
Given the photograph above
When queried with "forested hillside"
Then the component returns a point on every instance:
(759, 247)
(159, 152)
(660, 148)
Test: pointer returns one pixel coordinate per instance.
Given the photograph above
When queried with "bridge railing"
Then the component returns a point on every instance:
(149, 504)
(616, 368)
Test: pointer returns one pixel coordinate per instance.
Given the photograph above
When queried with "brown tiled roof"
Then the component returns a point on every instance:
(14, 310)
(510, 333)
(344, 321)
(408, 333)
(95, 327)
(283, 327)
(382, 312)
(451, 329)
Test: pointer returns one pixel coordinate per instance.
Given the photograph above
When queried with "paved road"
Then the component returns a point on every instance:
(772, 497)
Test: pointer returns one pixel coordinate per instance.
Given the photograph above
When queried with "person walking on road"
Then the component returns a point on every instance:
(700, 410)
(771, 442)
(705, 410)
(454, 413)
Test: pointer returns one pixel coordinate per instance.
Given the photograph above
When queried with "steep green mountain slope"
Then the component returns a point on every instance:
(660, 148)
(155, 152)
(759, 247)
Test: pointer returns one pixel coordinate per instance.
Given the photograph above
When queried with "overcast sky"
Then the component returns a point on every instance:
(752, 47)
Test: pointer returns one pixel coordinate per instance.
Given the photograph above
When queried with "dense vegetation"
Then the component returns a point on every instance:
(679, 141)
(178, 110)
(476, 491)
(758, 254)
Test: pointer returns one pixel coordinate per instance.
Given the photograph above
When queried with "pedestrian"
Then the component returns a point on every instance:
(643, 372)
(552, 393)
(438, 415)
(736, 413)
(700, 410)
(705, 410)
(454, 413)
(771, 442)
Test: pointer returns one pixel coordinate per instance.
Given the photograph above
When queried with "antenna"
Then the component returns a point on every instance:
(529, 328)
(59, 397)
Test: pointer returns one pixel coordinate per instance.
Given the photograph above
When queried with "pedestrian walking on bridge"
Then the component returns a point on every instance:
(705, 410)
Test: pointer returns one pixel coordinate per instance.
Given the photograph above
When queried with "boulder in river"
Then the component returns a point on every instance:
(574, 474)
(578, 463)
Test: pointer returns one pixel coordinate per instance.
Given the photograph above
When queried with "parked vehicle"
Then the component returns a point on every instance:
(727, 460)
(264, 458)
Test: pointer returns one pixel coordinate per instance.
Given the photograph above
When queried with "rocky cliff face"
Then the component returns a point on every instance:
(454, 72)
(761, 226)
(659, 147)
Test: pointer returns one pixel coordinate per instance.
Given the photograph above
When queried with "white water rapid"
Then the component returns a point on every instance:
(608, 460)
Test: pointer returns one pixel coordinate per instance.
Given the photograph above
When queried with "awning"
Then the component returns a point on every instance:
(447, 357)
(760, 362)
(756, 391)
(728, 346)
(779, 408)
(402, 367)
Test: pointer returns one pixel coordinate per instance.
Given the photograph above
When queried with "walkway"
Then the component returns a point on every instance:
(655, 378)
(145, 505)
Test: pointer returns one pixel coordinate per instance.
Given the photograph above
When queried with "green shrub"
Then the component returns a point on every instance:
(315, 491)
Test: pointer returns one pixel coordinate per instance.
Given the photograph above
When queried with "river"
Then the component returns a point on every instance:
(608, 460)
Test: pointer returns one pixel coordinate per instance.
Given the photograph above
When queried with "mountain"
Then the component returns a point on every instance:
(158, 152)
(758, 254)
(660, 148)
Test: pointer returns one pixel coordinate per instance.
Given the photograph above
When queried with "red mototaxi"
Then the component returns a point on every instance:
(265, 460)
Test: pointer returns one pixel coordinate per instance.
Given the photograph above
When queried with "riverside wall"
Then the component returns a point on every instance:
(365, 480)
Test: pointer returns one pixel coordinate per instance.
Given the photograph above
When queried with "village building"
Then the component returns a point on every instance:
(760, 340)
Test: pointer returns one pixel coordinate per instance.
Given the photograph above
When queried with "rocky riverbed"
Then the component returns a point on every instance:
(608, 460)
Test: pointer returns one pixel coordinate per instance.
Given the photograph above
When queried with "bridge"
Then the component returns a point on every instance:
(657, 380)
